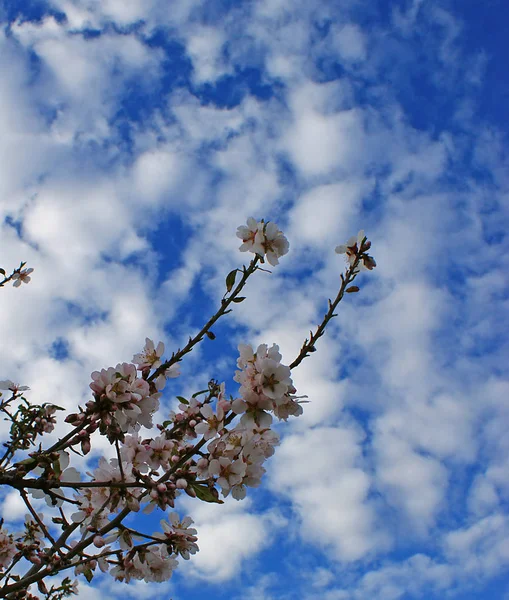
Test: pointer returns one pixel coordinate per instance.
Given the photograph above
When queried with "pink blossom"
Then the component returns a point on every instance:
(264, 239)
(22, 276)
(212, 424)
(150, 357)
(7, 549)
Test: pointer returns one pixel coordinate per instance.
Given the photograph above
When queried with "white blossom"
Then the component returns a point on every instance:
(264, 239)
(22, 276)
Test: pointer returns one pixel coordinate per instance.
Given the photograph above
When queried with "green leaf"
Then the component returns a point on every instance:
(230, 280)
(200, 392)
(182, 399)
(2, 271)
(204, 493)
(239, 299)
(88, 575)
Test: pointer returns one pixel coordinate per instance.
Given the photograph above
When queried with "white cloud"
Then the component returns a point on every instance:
(319, 144)
(320, 472)
(229, 535)
(350, 42)
(204, 46)
(481, 548)
(319, 214)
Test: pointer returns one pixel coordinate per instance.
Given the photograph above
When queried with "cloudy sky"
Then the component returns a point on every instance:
(136, 135)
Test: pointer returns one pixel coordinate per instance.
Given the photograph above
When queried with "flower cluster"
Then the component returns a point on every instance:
(152, 564)
(266, 386)
(95, 504)
(264, 239)
(355, 250)
(179, 535)
(235, 456)
(7, 549)
(126, 397)
(123, 401)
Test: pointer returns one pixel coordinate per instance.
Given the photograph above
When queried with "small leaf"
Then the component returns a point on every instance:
(210, 335)
(203, 492)
(239, 299)
(2, 271)
(230, 280)
(88, 575)
(200, 392)
(352, 289)
(183, 401)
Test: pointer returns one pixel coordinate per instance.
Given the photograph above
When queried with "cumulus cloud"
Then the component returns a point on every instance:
(320, 472)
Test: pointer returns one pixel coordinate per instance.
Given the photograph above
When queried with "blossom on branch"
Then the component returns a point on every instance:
(7, 549)
(7, 384)
(22, 276)
(151, 473)
(356, 248)
(150, 357)
(264, 239)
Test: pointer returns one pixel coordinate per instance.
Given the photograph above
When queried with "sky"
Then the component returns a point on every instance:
(137, 135)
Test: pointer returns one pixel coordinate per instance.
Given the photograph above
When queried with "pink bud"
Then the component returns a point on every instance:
(99, 541)
(181, 484)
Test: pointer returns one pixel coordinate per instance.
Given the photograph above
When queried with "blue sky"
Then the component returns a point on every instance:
(135, 136)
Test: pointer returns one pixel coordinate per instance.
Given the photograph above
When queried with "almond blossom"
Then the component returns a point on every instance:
(169, 373)
(7, 549)
(132, 401)
(229, 473)
(157, 564)
(22, 276)
(357, 247)
(248, 236)
(212, 424)
(150, 357)
(181, 537)
(7, 384)
(264, 239)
